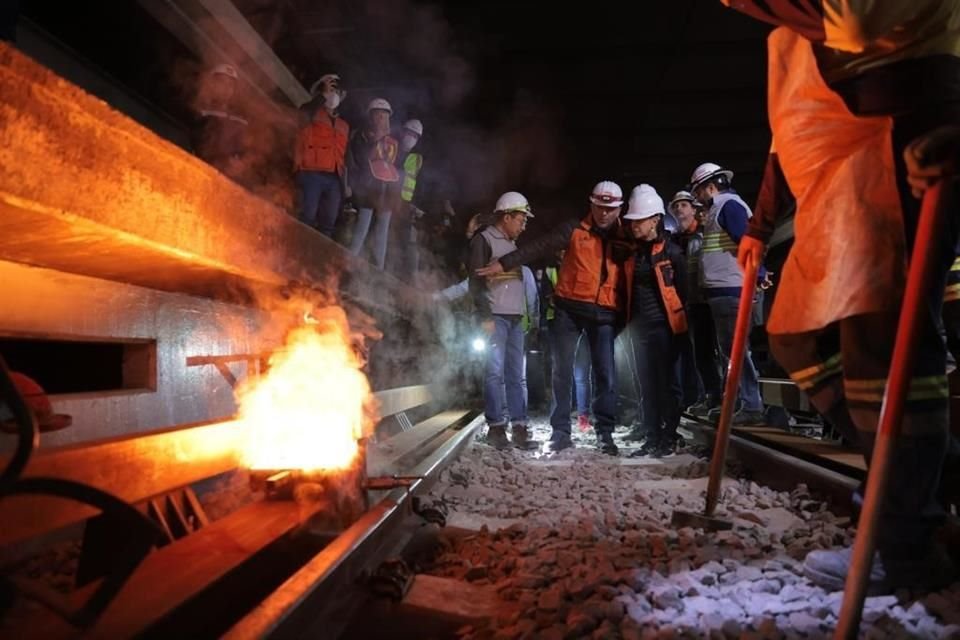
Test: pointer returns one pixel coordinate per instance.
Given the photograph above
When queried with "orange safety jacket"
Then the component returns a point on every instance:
(663, 268)
(322, 144)
(589, 273)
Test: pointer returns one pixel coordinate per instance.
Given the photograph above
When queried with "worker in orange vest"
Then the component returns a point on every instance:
(588, 298)
(658, 287)
(849, 89)
(319, 155)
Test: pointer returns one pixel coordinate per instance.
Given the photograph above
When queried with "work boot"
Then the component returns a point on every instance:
(606, 444)
(649, 448)
(497, 436)
(520, 435)
(748, 418)
(702, 408)
(637, 434)
(666, 448)
(828, 569)
(559, 442)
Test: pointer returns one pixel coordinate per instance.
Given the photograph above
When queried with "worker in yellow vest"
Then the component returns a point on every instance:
(411, 163)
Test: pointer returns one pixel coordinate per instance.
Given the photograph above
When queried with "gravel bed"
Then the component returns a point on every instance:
(579, 545)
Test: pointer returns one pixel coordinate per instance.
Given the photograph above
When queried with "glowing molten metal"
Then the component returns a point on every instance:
(313, 404)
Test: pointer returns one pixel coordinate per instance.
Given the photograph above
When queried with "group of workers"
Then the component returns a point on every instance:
(333, 164)
(859, 93)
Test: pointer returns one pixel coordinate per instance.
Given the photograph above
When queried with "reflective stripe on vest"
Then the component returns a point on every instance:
(411, 168)
(383, 155)
(666, 282)
(718, 241)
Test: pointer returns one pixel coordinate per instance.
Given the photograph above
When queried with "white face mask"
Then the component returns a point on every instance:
(408, 142)
(331, 99)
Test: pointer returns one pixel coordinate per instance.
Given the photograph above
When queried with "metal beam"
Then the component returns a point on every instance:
(227, 15)
(186, 29)
(140, 466)
(303, 603)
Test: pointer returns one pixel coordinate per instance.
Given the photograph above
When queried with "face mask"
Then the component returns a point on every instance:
(331, 99)
(408, 142)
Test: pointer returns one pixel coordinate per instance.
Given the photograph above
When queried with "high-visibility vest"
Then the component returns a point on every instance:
(588, 272)
(551, 273)
(322, 144)
(383, 155)
(952, 291)
(666, 282)
(411, 169)
(718, 260)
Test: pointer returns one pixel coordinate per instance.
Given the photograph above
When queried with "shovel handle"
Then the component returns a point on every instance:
(740, 336)
(919, 273)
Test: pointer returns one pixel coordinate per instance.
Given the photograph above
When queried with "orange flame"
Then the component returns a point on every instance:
(313, 404)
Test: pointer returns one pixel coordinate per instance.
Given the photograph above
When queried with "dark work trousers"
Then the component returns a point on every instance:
(705, 349)
(657, 353)
(844, 370)
(686, 372)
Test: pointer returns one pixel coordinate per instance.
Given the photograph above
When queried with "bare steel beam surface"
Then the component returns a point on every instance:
(136, 468)
(133, 469)
(148, 213)
(192, 35)
(227, 15)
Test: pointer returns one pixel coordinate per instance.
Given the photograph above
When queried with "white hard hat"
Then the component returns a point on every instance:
(680, 196)
(379, 103)
(414, 126)
(607, 194)
(332, 78)
(645, 203)
(511, 202)
(706, 171)
(227, 70)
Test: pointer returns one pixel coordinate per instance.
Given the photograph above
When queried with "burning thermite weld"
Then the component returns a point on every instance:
(311, 409)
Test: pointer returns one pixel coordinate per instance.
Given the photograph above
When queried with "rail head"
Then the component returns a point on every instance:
(293, 607)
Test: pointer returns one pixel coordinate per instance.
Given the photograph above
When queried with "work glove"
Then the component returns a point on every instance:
(932, 157)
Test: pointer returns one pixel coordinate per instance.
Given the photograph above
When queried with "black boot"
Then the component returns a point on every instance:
(606, 444)
(649, 448)
(559, 442)
(497, 436)
(520, 435)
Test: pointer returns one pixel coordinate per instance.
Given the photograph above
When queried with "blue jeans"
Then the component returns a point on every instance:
(505, 375)
(566, 329)
(381, 233)
(582, 375)
(724, 311)
(320, 195)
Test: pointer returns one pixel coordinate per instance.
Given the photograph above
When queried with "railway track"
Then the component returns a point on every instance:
(259, 572)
